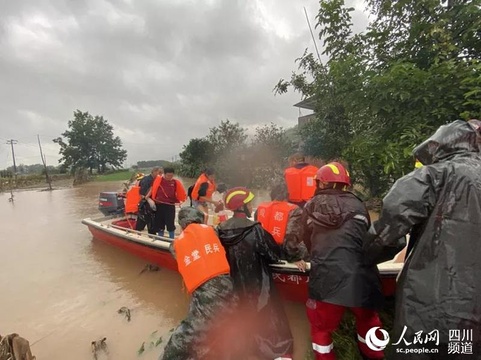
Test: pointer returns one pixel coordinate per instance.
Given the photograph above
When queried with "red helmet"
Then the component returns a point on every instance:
(333, 172)
(238, 197)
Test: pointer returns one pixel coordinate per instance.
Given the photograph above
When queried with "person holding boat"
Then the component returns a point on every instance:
(299, 178)
(166, 192)
(334, 223)
(250, 249)
(146, 214)
(282, 220)
(439, 287)
(204, 268)
(203, 190)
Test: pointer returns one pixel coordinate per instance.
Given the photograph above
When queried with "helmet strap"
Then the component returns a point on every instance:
(246, 211)
(240, 214)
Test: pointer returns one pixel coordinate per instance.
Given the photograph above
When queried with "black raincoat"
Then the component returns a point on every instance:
(439, 287)
(334, 225)
(250, 249)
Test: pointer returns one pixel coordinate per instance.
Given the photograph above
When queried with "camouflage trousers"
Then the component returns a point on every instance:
(6, 352)
(210, 308)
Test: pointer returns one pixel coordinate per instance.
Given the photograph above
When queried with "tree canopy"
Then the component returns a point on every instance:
(90, 143)
(237, 160)
(384, 90)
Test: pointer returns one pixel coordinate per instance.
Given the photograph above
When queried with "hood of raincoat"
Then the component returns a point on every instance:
(233, 232)
(455, 138)
(328, 210)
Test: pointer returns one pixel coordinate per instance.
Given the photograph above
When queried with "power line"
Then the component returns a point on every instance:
(312, 35)
(11, 142)
(44, 164)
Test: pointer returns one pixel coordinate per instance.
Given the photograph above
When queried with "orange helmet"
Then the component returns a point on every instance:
(238, 197)
(333, 172)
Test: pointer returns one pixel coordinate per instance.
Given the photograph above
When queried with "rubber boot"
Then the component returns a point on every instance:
(172, 234)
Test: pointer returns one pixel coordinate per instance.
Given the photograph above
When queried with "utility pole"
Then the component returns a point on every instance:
(12, 142)
(44, 164)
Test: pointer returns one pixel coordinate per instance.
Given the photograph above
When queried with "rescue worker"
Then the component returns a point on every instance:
(282, 220)
(132, 200)
(334, 223)
(146, 214)
(138, 177)
(204, 268)
(250, 249)
(439, 287)
(166, 192)
(203, 190)
(299, 178)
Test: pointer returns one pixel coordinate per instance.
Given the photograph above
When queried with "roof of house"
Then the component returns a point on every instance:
(309, 103)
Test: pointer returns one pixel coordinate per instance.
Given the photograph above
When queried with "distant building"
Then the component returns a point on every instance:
(309, 104)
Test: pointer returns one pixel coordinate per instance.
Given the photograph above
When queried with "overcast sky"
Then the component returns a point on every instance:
(161, 72)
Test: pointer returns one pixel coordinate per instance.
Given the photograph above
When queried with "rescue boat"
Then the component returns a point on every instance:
(291, 282)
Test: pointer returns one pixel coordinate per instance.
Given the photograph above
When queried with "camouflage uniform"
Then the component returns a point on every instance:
(294, 249)
(5, 348)
(211, 305)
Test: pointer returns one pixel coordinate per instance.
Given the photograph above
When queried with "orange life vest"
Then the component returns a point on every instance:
(132, 199)
(180, 193)
(210, 190)
(200, 255)
(300, 182)
(274, 216)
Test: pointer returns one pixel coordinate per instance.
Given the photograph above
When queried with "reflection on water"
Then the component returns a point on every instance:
(61, 289)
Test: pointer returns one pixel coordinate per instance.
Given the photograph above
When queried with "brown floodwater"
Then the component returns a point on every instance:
(61, 289)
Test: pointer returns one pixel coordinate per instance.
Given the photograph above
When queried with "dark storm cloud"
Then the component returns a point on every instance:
(161, 72)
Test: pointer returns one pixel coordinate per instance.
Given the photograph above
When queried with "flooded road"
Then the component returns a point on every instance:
(61, 289)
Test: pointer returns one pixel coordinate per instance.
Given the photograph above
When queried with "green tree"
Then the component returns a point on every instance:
(229, 152)
(382, 91)
(195, 157)
(226, 137)
(269, 151)
(90, 143)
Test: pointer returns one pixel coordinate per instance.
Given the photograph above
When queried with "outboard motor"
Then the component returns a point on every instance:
(111, 203)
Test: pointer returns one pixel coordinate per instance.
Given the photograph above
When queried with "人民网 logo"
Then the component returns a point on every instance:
(373, 342)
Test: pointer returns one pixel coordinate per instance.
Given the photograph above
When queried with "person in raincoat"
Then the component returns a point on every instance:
(334, 223)
(250, 249)
(438, 295)
(202, 262)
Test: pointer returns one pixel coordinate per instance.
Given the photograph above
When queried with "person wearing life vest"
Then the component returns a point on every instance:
(132, 200)
(166, 192)
(145, 212)
(299, 178)
(250, 249)
(282, 220)
(138, 177)
(203, 190)
(132, 196)
(202, 263)
(334, 223)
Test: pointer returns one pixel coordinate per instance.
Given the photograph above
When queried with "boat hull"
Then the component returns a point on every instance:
(291, 283)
